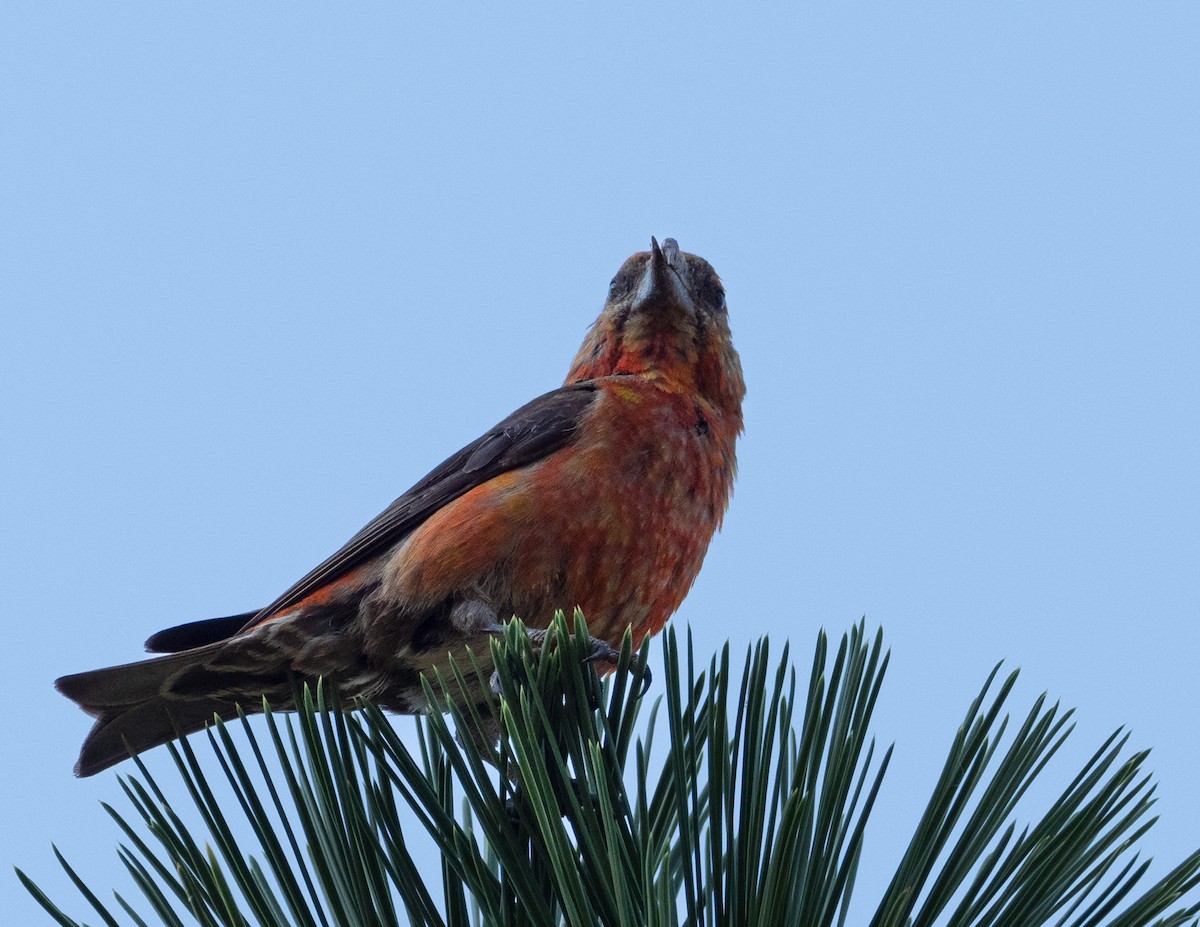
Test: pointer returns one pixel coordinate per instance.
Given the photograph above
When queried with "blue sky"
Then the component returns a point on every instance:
(262, 266)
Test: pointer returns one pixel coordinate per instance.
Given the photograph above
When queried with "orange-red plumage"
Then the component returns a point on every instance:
(602, 495)
(635, 501)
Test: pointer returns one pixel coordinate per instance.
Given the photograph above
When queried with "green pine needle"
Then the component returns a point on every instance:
(733, 799)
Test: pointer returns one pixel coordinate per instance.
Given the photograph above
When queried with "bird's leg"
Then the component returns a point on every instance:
(598, 651)
(474, 617)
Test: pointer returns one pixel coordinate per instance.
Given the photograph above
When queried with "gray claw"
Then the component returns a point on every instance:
(602, 652)
(645, 677)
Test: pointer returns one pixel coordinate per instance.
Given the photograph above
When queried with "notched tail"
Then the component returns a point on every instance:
(118, 735)
(112, 687)
(142, 705)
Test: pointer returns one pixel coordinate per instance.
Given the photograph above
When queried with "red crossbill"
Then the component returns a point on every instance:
(602, 494)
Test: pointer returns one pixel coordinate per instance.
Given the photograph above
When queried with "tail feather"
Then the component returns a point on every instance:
(119, 734)
(128, 684)
(141, 705)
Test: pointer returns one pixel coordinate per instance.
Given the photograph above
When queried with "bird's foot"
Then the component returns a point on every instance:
(599, 652)
(475, 617)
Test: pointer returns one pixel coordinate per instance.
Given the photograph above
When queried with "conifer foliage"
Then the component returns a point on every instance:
(736, 799)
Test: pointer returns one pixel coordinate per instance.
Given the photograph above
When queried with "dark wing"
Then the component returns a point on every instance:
(197, 633)
(535, 430)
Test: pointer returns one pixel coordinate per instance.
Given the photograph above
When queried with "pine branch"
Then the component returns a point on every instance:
(733, 800)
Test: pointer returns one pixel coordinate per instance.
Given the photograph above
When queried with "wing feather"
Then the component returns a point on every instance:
(534, 431)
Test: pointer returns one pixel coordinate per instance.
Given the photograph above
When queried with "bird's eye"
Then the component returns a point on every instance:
(619, 286)
(713, 294)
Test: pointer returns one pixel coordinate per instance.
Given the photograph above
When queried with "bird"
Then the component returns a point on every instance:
(601, 495)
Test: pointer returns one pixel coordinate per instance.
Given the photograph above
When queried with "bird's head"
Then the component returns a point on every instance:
(665, 318)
